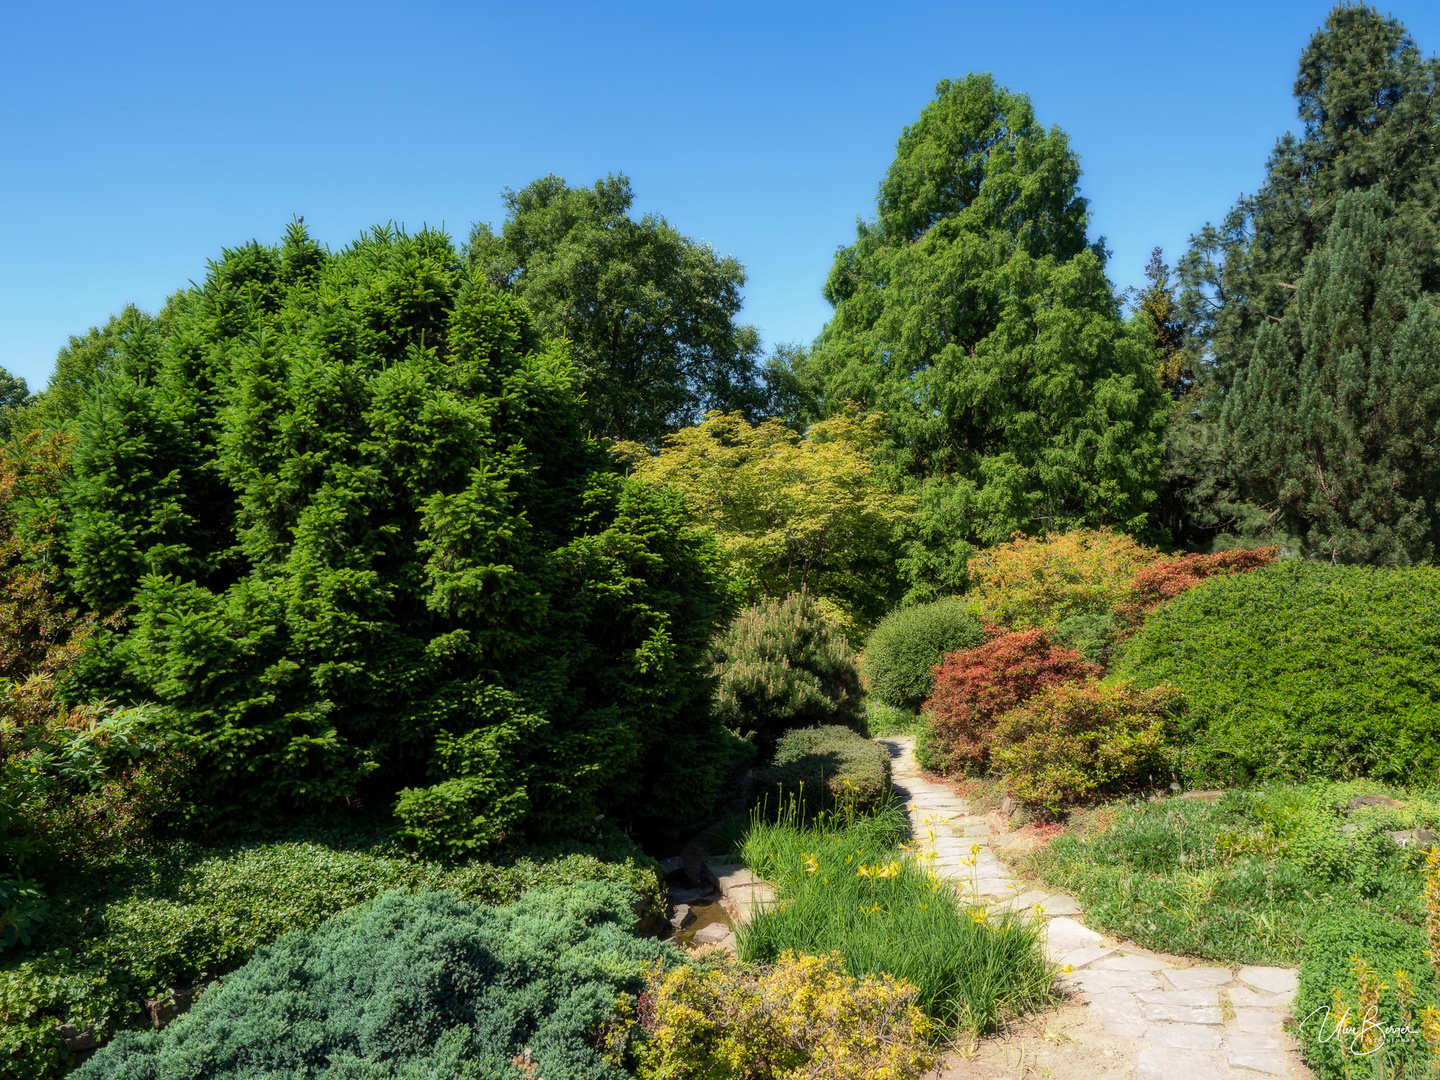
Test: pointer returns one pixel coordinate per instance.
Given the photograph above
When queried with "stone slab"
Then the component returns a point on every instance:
(1182, 1014)
(1164, 1063)
(1060, 904)
(1190, 998)
(1080, 957)
(1182, 1036)
(1262, 1053)
(1259, 1021)
(1273, 980)
(1243, 997)
(1064, 936)
(1095, 982)
(1119, 1012)
(733, 876)
(1198, 977)
(714, 934)
(1021, 901)
(1131, 962)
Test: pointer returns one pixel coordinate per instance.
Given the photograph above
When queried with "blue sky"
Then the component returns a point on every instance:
(140, 139)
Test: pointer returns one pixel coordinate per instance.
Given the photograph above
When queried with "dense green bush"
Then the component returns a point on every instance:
(822, 768)
(409, 986)
(364, 546)
(161, 922)
(901, 651)
(779, 666)
(1072, 743)
(1392, 976)
(1303, 670)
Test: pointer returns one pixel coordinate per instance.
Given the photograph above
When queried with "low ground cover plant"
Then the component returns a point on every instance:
(780, 665)
(410, 985)
(805, 1016)
(901, 652)
(1302, 671)
(820, 769)
(850, 888)
(1246, 878)
(153, 924)
(975, 687)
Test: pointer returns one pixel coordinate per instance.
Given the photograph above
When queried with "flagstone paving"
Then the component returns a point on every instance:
(1183, 1022)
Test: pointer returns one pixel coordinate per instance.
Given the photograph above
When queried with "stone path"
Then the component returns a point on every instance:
(1185, 1023)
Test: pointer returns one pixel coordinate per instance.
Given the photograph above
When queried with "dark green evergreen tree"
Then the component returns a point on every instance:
(1334, 426)
(1369, 103)
(649, 313)
(364, 548)
(975, 313)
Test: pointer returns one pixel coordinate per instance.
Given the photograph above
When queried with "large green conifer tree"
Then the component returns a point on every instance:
(974, 312)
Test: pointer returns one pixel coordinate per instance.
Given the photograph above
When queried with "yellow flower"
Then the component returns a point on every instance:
(974, 849)
(1039, 909)
(978, 915)
(812, 865)
(1066, 968)
(862, 871)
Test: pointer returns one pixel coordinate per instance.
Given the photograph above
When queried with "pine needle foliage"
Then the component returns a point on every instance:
(779, 666)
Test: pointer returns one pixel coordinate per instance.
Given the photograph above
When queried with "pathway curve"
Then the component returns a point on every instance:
(1185, 1023)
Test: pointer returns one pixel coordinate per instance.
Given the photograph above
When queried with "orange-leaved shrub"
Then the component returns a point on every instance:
(1171, 575)
(975, 687)
(1072, 743)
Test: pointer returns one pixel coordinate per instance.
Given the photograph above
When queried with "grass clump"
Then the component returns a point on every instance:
(1246, 878)
(853, 890)
(882, 720)
(907, 643)
(1301, 671)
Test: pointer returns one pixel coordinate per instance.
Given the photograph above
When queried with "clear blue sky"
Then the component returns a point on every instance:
(139, 139)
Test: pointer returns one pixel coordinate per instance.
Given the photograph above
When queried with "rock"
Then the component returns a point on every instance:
(1263, 1053)
(1183, 1036)
(1273, 980)
(673, 865)
(696, 872)
(76, 1039)
(163, 1010)
(1088, 955)
(1192, 998)
(1100, 982)
(732, 876)
(1373, 800)
(1060, 904)
(1242, 997)
(689, 896)
(1119, 1012)
(1196, 978)
(1409, 837)
(1130, 962)
(1064, 936)
(1185, 1014)
(1163, 1063)
(1007, 806)
(1259, 1021)
(713, 934)
(681, 917)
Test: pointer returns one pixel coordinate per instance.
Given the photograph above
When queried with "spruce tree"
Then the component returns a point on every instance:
(1369, 103)
(975, 313)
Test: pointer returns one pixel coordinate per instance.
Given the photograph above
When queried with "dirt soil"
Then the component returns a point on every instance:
(1068, 1043)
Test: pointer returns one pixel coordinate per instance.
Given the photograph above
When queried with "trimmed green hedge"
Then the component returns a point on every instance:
(417, 986)
(901, 651)
(1303, 671)
(823, 768)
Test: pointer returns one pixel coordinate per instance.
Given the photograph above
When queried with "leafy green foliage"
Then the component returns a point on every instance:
(648, 311)
(160, 922)
(1246, 878)
(780, 666)
(851, 890)
(1302, 671)
(791, 513)
(975, 687)
(821, 769)
(975, 315)
(364, 546)
(1072, 743)
(404, 985)
(902, 650)
(803, 1016)
(1355, 962)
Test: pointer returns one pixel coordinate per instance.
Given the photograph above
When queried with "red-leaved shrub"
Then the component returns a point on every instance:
(1168, 577)
(974, 687)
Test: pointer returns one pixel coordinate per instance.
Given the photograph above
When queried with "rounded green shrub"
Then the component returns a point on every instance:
(823, 768)
(1302, 671)
(780, 666)
(409, 986)
(905, 646)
